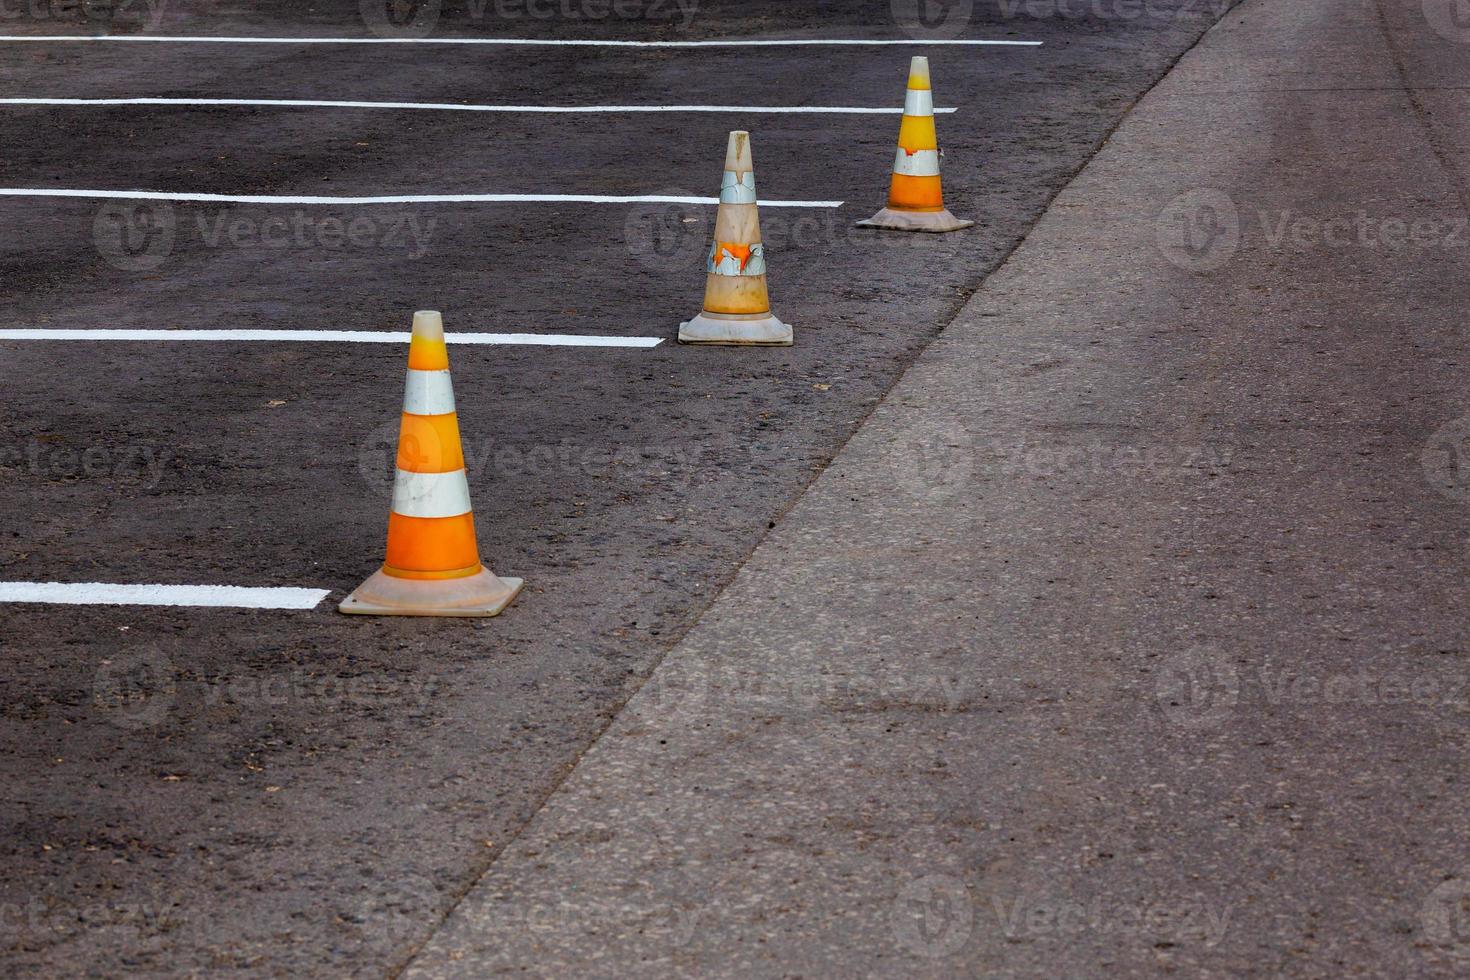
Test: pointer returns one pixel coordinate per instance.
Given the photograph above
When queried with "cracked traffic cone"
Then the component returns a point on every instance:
(433, 565)
(915, 202)
(736, 307)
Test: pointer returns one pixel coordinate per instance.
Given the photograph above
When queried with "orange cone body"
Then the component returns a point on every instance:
(915, 200)
(433, 565)
(737, 309)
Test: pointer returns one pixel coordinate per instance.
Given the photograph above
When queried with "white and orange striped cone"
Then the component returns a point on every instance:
(737, 309)
(915, 200)
(433, 565)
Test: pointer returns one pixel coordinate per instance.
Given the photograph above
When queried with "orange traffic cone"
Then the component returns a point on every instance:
(433, 566)
(736, 307)
(915, 202)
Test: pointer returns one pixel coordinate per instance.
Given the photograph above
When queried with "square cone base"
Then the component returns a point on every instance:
(480, 594)
(736, 331)
(932, 221)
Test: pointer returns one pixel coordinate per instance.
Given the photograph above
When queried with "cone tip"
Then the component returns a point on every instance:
(737, 152)
(919, 71)
(428, 325)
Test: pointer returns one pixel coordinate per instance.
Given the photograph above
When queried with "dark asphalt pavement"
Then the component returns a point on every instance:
(305, 793)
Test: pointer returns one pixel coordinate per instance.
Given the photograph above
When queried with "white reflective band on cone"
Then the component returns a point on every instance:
(737, 188)
(428, 393)
(431, 494)
(918, 102)
(920, 163)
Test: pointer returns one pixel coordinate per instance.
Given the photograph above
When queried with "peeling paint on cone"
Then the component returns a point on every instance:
(737, 308)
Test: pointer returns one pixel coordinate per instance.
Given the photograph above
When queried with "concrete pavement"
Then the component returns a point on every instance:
(1128, 636)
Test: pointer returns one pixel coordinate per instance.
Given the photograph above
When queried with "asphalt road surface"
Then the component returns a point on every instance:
(283, 792)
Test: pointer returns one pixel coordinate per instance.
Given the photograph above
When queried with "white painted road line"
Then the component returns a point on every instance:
(518, 41)
(103, 195)
(819, 110)
(106, 594)
(332, 336)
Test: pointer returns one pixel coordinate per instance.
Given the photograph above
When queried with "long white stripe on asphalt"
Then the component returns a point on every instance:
(104, 195)
(330, 336)
(107, 594)
(820, 110)
(518, 41)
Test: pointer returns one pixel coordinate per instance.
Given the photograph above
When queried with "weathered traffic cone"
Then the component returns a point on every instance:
(736, 307)
(915, 201)
(433, 565)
